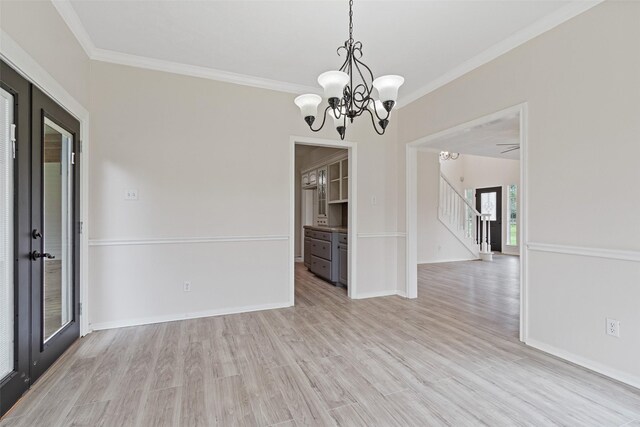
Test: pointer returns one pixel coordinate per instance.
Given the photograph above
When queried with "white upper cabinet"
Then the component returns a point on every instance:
(339, 181)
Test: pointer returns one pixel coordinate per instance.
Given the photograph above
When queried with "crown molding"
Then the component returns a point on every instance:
(113, 57)
(71, 18)
(532, 31)
(69, 15)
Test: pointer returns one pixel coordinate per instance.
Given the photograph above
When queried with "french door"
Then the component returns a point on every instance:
(55, 215)
(15, 226)
(39, 234)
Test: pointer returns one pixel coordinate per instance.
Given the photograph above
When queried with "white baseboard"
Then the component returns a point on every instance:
(376, 294)
(184, 316)
(623, 377)
(448, 260)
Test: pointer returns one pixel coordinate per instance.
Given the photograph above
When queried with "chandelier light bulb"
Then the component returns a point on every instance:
(387, 87)
(337, 121)
(308, 105)
(378, 108)
(333, 83)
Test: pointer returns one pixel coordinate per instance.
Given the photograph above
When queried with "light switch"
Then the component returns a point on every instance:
(131, 194)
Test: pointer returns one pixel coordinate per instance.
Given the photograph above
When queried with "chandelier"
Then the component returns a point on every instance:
(446, 155)
(349, 91)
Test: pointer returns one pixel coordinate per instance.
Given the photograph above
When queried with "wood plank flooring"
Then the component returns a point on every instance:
(450, 357)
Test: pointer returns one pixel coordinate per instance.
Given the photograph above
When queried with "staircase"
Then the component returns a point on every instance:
(462, 219)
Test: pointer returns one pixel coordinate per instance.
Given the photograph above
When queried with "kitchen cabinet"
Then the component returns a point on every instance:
(307, 252)
(321, 213)
(323, 255)
(339, 181)
(343, 260)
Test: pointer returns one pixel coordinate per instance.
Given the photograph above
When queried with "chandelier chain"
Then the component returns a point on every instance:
(350, 22)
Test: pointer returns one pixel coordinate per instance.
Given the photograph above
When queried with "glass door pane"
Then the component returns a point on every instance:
(488, 205)
(57, 296)
(7, 299)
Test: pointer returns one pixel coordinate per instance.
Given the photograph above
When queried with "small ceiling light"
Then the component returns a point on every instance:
(445, 155)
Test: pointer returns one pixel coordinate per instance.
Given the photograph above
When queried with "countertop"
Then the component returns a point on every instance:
(339, 229)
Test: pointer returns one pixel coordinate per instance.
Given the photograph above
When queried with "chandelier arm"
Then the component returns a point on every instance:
(360, 98)
(373, 122)
(324, 119)
(364, 81)
(366, 67)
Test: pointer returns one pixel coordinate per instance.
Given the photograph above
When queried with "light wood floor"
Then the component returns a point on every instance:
(451, 357)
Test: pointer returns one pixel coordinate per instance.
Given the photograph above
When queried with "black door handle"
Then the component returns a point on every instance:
(36, 234)
(35, 255)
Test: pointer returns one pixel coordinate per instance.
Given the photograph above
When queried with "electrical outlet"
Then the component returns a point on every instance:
(374, 200)
(131, 194)
(613, 327)
(187, 286)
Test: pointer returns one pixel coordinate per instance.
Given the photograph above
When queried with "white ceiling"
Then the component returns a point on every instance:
(291, 42)
(483, 140)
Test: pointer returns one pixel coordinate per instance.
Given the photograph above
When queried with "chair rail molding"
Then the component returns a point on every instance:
(617, 254)
(184, 240)
(382, 234)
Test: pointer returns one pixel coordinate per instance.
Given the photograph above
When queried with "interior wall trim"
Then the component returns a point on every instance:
(184, 316)
(541, 26)
(378, 294)
(616, 254)
(184, 240)
(381, 235)
(69, 15)
(586, 363)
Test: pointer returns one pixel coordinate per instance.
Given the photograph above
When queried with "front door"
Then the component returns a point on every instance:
(55, 316)
(489, 201)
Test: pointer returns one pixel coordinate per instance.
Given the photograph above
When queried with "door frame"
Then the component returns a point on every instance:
(411, 181)
(18, 59)
(352, 149)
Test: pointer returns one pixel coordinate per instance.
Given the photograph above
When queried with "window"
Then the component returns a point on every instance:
(512, 209)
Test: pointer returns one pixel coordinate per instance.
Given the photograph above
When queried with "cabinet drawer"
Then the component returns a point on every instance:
(321, 249)
(320, 235)
(321, 267)
(343, 239)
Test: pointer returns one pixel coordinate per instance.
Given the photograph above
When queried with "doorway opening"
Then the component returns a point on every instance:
(322, 243)
(466, 200)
